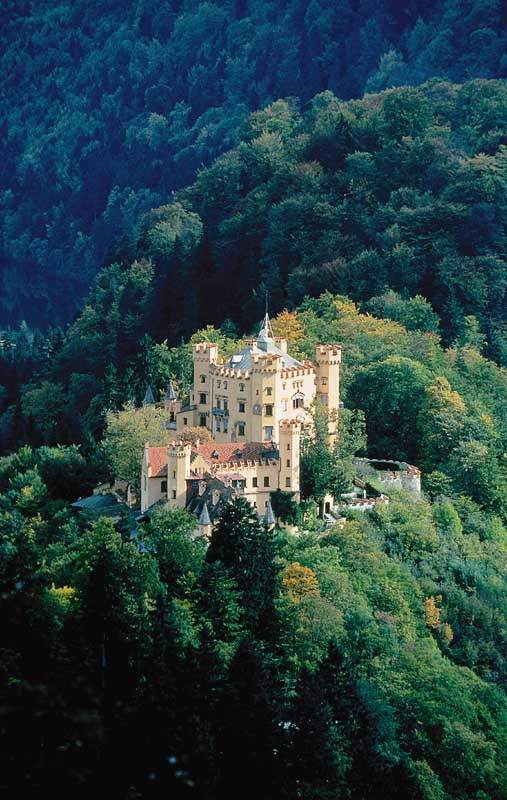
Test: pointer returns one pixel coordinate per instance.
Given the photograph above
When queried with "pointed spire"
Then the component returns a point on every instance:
(170, 394)
(149, 399)
(204, 519)
(265, 333)
(269, 517)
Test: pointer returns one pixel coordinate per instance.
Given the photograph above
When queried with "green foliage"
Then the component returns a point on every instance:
(127, 432)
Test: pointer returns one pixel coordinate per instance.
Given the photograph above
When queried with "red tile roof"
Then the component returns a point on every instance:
(157, 460)
(232, 451)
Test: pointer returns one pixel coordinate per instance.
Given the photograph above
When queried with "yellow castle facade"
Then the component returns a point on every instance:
(254, 405)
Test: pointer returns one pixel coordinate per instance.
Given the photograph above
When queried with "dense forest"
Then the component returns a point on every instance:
(396, 196)
(364, 660)
(106, 108)
(154, 189)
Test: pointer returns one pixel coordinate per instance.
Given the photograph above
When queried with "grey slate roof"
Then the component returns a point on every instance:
(204, 518)
(269, 517)
(170, 394)
(99, 505)
(149, 399)
(265, 344)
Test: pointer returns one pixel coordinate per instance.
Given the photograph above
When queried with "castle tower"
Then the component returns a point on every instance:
(327, 362)
(289, 447)
(204, 355)
(178, 470)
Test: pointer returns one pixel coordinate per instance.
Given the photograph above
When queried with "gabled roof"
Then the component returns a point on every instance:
(157, 460)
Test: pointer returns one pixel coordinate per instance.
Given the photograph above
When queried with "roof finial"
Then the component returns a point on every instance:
(266, 331)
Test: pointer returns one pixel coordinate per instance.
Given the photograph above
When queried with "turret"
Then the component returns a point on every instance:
(204, 354)
(289, 448)
(269, 517)
(205, 526)
(327, 370)
(178, 470)
(148, 399)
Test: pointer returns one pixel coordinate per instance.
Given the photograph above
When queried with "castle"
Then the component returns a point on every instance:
(254, 405)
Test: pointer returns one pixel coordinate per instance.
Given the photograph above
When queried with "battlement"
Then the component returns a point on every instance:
(298, 372)
(229, 372)
(328, 354)
(205, 351)
(290, 423)
(178, 449)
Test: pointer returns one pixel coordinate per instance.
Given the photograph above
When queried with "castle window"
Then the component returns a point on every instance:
(174, 474)
(288, 447)
(171, 416)
(241, 428)
(241, 387)
(266, 481)
(202, 420)
(174, 494)
(269, 390)
(288, 462)
(218, 425)
(202, 398)
(284, 386)
(241, 408)
(226, 425)
(203, 378)
(225, 384)
(163, 486)
(287, 483)
(226, 405)
(219, 383)
(255, 483)
(268, 410)
(185, 421)
(323, 381)
(298, 402)
(218, 402)
(268, 433)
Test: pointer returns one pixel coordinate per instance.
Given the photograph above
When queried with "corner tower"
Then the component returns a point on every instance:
(328, 359)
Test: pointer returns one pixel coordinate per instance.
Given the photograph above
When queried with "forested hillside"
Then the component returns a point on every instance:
(365, 660)
(105, 108)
